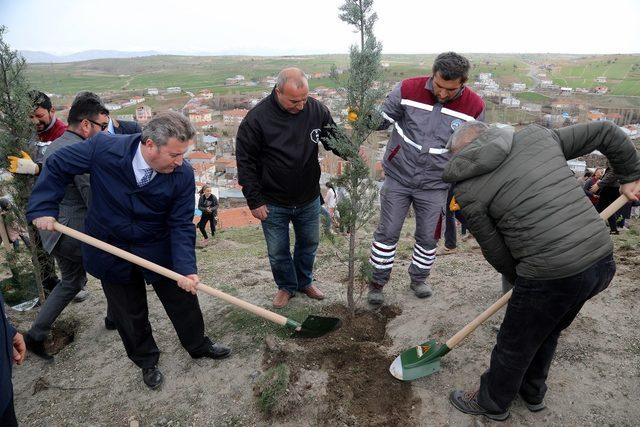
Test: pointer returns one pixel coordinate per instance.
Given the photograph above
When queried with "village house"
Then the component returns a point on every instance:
(227, 166)
(510, 102)
(174, 89)
(199, 115)
(143, 114)
(152, 91)
(234, 117)
(268, 81)
(595, 115)
(632, 131)
(200, 157)
(533, 108)
(137, 99)
(231, 81)
(205, 94)
(518, 87)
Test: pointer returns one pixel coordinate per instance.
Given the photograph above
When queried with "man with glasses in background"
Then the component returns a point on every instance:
(424, 112)
(87, 117)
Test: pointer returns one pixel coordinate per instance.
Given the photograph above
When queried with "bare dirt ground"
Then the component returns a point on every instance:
(340, 379)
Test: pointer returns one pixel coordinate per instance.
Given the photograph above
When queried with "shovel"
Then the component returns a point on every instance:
(312, 327)
(4, 235)
(424, 359)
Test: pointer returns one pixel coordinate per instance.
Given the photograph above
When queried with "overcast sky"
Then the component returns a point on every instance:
(277, 27)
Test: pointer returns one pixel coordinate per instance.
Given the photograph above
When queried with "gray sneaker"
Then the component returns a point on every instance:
(375, 296)
(422, 290)
(82, 295)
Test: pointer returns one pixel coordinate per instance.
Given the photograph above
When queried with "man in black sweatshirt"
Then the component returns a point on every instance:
(277, 154)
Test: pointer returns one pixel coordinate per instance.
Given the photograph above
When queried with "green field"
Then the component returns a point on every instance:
(193, 73)
(532, 97)
(190, 73)
(622, 72)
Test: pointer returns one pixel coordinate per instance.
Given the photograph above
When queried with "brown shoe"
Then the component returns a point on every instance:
(313, 292)
(281, 299)
(446, 251)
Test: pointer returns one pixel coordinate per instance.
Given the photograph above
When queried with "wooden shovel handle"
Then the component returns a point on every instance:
(464, 332)
(4, 235)
(258, 311)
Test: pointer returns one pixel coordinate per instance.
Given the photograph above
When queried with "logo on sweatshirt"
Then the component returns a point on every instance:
(455, 124)
(315, 136)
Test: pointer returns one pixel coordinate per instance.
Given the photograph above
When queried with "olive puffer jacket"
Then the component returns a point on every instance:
(523, 204)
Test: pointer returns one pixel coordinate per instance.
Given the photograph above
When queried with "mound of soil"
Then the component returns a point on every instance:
(359, 388)
(62, 334)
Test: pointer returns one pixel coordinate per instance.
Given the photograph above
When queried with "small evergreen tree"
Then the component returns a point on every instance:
(357, 208)
(15, 132)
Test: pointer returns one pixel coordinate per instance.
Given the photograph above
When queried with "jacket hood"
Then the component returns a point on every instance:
(482, 156)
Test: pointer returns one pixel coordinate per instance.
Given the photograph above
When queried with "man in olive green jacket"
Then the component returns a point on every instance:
(535, 226)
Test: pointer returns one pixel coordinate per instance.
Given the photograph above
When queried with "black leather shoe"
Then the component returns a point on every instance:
(36, 347)
(152, 377)
(109, 324)
(214, 351)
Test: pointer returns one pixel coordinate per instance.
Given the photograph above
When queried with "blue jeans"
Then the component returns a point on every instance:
(326, 219)
(292, 274)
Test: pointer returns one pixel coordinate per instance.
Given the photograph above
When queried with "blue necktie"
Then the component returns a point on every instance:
(148, 173)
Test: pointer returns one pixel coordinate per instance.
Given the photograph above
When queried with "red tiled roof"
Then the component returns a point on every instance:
(200, 155)
(233, 218)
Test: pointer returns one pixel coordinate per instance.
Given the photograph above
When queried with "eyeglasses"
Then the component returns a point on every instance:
(103, 126)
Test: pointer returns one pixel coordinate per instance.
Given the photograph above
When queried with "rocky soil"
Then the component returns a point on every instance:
(340, 379)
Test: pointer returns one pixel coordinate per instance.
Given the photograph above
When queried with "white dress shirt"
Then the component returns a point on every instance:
(140, 165)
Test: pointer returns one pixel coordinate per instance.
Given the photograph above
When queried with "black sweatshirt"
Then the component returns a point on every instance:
(208, 202)
(277, 153)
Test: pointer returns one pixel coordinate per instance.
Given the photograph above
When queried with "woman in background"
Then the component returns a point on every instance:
(208, 204)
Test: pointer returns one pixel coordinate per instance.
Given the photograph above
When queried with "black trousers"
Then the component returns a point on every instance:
(129, 311)
(450, 238)
(607, 196)
(68, 254)
(48, 275)
(537, 312)
(8, 418)
(207, 217)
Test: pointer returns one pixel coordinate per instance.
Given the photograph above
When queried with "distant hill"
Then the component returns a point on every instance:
(193, 73)
(35, 57)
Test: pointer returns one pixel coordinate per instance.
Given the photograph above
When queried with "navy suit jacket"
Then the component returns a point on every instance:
(126, 127)
(154, 222)
(7, 332)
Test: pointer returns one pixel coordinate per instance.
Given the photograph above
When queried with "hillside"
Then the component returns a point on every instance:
(340, 379)
(193, 73)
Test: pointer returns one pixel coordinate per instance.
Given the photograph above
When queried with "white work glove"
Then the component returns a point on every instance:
(23, 165)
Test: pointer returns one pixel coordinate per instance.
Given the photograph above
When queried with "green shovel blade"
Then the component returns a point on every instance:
(316, 326)
(419, 361)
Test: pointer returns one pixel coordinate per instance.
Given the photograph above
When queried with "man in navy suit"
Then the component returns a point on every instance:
(123, 127)
(142, 202)
(12, 350)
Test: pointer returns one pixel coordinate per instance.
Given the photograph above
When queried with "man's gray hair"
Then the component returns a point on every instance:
(464, 134)
(291, 75)
(168, 125)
